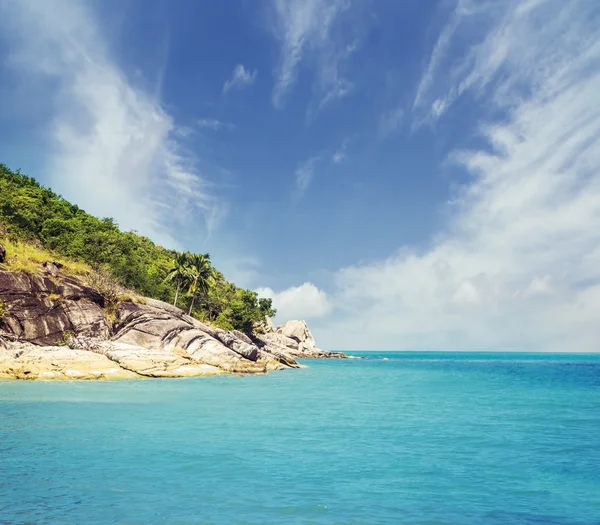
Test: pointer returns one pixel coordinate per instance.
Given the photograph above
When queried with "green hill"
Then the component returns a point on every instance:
(32, 215)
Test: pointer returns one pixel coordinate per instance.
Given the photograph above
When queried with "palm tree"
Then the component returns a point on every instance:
(201, 276)
(180, 272)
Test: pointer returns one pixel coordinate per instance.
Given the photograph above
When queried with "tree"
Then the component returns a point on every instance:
(266, 307)
(180, 272)
(200, 276)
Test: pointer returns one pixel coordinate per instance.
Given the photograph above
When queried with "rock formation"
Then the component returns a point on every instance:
(53, 326)
(42, 310)
(295, 338)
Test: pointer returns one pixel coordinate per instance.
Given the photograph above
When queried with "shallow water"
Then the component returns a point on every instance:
(415, 439)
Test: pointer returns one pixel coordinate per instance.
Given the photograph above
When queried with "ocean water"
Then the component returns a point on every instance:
(411, 439)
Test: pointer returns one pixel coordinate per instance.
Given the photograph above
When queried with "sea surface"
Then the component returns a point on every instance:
(395, 438)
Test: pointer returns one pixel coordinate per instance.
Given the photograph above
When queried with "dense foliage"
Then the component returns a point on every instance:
(30, 212)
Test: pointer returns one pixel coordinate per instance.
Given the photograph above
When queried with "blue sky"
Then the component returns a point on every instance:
(403, 175)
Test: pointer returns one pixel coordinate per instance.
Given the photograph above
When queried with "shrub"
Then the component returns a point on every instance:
(103, 283)
(64, 340)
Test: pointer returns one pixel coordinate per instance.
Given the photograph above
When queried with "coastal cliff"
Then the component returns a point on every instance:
(57, 326)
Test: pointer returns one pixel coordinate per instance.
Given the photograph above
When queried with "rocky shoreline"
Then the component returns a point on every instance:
(54, 326)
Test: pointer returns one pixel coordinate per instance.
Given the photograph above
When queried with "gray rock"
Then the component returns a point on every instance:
(145, 362)
(2, 253)
(295, 340)
(42, 312)
(52, 267)
(157, 329)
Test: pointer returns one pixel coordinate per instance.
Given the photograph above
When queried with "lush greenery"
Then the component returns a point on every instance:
(31, 215)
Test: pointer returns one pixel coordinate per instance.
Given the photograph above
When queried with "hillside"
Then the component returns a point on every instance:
(34, 218)
(80, 299)
(59, 326)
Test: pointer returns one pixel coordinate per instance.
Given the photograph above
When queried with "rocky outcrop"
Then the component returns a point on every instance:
(28, 361)
(42, 310)
(160, 327)
(54, 326)
(294, 339)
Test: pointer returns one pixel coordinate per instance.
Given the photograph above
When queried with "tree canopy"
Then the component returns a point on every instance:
(33, 213)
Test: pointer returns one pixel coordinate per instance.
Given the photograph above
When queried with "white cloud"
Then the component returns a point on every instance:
(214, 124)
(304, 175)
(540, 285)
(439, 53)
(299, 302)
(339, 156)
(304, 29)
(114, 149)
(240, 78)
(518, 266)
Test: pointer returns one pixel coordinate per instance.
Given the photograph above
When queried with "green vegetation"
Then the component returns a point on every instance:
(179, 273)
(200, 277)
(64, 340)
(194, 271)
(37, 225)
(3, 309)
(28, 256)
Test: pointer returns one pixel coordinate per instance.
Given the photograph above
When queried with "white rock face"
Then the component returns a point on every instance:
(298, 330)
(295, 339)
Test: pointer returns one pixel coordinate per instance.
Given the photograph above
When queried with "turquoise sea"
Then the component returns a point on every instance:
(416, 438)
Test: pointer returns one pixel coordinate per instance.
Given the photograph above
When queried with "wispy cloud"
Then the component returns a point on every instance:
(304, 175)
(518, 266)
(240, 78)
(339, 156)
(439, 54)
(305, 30)
(499, 51)
(113, 148)
(214, 124)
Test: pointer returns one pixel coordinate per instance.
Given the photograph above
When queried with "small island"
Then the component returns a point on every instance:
(80, 299)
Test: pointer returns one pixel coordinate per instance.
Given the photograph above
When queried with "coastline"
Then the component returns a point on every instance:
(56, 327)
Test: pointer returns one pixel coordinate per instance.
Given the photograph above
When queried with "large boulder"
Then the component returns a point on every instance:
(295, 340)
(157, 327)
(39, 310)
(298, 331)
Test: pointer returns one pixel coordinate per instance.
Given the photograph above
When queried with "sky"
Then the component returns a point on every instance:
(403, 175)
